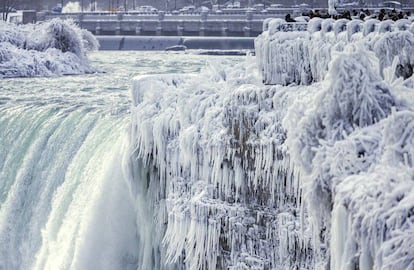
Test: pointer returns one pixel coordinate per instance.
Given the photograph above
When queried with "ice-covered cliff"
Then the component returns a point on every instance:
(220, 190)
(51, 48)
(231, 173)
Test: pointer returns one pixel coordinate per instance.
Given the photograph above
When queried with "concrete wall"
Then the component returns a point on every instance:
(162, 43)
(246, 24)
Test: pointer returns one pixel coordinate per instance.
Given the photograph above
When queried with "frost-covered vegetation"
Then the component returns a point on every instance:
(302, 57)
(231, 173)
(51, 48)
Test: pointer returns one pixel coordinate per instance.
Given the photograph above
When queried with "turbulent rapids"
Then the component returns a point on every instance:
(298, 158)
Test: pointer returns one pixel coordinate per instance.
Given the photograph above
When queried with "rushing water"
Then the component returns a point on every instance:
(64, 201)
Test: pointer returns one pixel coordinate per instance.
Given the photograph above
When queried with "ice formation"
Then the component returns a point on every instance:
(331, 7)
(220, 174)
(71, 7)
(51, 48)
(237, 174)
(302, 57)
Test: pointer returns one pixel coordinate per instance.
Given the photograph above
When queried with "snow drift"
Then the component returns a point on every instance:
(231, 173)
(51, 48)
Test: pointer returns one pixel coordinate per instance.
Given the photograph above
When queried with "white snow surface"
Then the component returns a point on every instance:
(237, 174)
(51, 48)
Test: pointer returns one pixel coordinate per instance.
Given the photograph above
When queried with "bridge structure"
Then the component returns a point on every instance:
(242, 24)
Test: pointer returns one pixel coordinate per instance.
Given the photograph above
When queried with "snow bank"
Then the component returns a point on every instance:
(231, 173)
(302, 57)
(51, 48)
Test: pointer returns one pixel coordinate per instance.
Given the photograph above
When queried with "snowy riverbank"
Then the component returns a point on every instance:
(52, 48)
(242, 175)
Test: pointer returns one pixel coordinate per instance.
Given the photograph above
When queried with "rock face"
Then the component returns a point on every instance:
(230, 173)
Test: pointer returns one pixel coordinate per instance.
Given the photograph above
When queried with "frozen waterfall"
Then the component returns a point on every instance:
(64, 202)
(299, 158)
(317, 174)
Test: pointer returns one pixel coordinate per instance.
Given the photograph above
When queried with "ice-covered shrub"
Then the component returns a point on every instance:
(354, 146)
(377, 202)
(6, 51)
(278, 51)
(324, 38)
(62, 35)
(392, 44)
(402, 24)
(51, 48)
(90, 43)
(12, 34)
(315, 25)
(350, 101)
(353, 27)
(370, 26)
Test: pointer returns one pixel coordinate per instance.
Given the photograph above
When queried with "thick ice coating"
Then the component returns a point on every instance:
(244, 175)
(51, 48)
